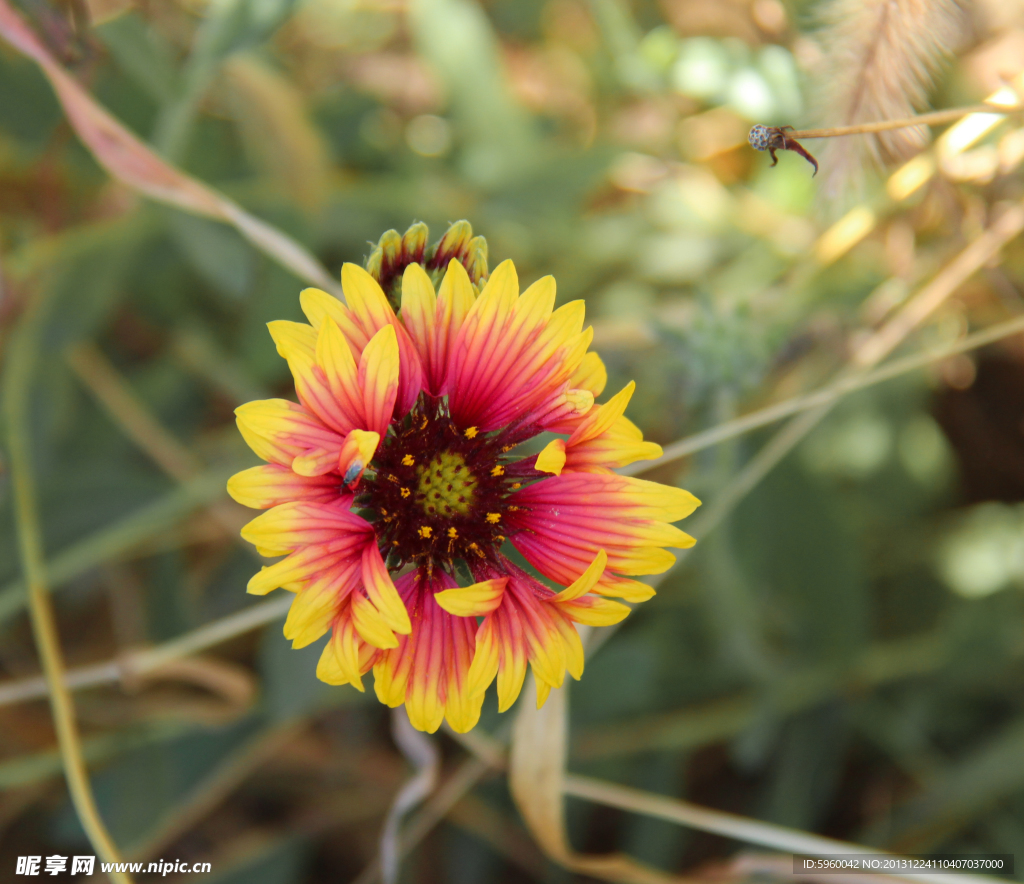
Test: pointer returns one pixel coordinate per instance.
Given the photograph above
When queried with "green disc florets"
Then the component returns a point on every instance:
(446, 485)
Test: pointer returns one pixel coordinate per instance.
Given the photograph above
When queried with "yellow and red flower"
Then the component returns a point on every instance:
(397, 473)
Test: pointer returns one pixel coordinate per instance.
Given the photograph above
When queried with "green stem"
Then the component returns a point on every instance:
(44, 627)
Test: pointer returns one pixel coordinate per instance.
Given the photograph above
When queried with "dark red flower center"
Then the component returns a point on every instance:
(437, 492)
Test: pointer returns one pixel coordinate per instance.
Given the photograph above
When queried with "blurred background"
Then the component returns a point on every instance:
(843, 651)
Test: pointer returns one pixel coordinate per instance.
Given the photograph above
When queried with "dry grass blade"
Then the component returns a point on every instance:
(536, 774)
(830, 393)
(137, 422)
(735, 827)
(139, 664)
(879, 59)
(126, 158)
(17, 391)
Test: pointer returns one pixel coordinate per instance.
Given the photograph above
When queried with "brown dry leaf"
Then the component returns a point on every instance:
(278, 135)
(129, 160)
(536, 769)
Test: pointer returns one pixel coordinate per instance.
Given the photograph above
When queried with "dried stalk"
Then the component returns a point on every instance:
(935, 118)
(21, 362)
(879, 60)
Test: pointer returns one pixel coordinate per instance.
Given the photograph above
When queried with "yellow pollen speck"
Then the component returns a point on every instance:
(426, 421)
(498, 470)
(405, 492)
(494, 518)
(471, 433)
(513, 509)
(500, 538)
(425, 531)
(408, 460)
(453, 533)
(516, 486)
(473, 546)
(507, 448)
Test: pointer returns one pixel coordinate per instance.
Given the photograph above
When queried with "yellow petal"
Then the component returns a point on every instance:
(268, 485)
(511, 674)
(391, 675)
(318, 462)
(334, 355)
(594, 611)
(477, 600)
(485, 659)
(310, 616)
(294, 340)
(317, 305)
(339, 663)
(356, 454)
(602, 418)
(382, 592)
(552, 458)
(591, 375)
(543, 689)
(419, 306)
(586, 581)
(378, 378)
(369, 624)
(455, 298)
(366, 299)
(624, 588)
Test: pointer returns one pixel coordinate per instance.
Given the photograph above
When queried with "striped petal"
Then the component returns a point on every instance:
(382, 592)
(346, 657)
(429, 670)
(281, 432)
(266, 486)
(513, 354)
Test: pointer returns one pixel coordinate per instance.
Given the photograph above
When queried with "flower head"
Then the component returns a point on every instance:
(395, 487)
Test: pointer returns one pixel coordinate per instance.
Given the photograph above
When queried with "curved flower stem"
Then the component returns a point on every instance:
(936, 118)
(16, 392)
(420, 751)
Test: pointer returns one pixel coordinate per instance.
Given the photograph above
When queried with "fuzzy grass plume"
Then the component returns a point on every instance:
(879, 61)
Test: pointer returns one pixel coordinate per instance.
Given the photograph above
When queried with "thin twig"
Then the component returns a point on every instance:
(732, 826)
(936, 118)
(875, 349)
(138, 423)
(768, 415)
(137, 663)
(115, 540)
(1007, 226)
(44, 625)
(131, 416)
(213, 789)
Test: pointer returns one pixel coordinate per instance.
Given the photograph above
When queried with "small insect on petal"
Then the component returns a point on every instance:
(352, 473)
